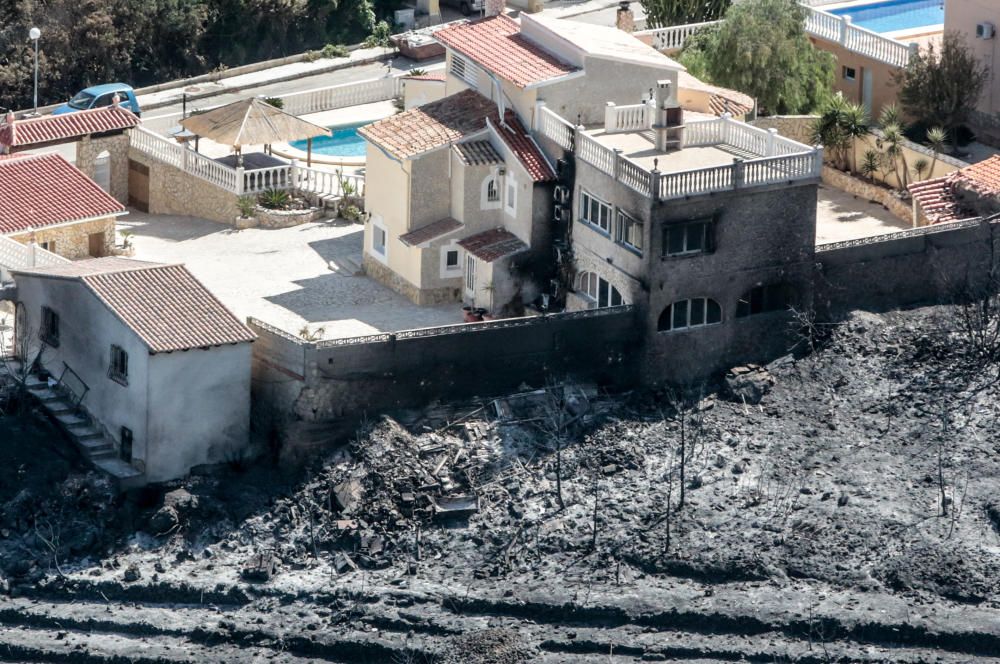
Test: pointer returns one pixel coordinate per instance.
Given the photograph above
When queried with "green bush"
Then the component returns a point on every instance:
(335, 51)
(277, 102)
(274, 199)
(246, 205)
(379, 36)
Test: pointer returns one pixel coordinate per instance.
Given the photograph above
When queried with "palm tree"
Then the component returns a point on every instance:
(937, 139)
(838, 125)
(870, 164)
(920, 167)
(891, 144)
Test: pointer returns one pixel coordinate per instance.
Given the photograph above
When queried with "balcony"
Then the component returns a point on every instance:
(710, 155)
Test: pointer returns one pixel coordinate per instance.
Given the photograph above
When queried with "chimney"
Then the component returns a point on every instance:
(625, 19)
(668, 118)
(11, 134)
(495, 7)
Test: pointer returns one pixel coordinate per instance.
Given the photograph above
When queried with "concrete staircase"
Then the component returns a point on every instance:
(81, 428)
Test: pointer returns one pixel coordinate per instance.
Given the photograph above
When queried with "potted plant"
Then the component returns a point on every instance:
(247, 206)
(127, 248)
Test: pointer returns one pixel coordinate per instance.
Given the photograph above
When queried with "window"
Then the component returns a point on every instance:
(378, 239)
(451, 259)
(118, 367)
(595, 212)
(104, 100)
(50, 327)
(510, 205)
(492, 193)
(599, 291)
(628, 232)
(48, 246)
(463, 69)
(763, 299)
(849, 74)
(470, 274)
(683, 314)
(688, 238)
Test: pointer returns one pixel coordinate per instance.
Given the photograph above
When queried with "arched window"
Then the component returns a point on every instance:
(492, 193)
(763, 299)
(696, 312)
(599, 291)
(489, 193)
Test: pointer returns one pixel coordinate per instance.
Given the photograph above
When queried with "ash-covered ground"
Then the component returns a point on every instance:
(839, 506)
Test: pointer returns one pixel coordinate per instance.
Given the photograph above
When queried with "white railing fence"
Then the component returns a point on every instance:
(342, 96)
(856, 39)
(636, 117)
(552, 126)
(755, 172)
(672, 38)
(17, 256)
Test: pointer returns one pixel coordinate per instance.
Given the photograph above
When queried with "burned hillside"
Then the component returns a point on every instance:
(839, 506)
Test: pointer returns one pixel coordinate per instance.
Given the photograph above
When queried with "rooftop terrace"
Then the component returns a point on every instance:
(715, 155)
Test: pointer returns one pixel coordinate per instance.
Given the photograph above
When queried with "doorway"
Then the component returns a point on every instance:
(96, 242)
(866, 90)
(102, 170)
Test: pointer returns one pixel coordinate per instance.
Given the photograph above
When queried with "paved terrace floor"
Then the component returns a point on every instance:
(841, 216)
(284, 276)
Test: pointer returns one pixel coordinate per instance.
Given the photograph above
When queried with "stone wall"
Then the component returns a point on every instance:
(381, 273)
(172, 191)
(72, 241)
(796, 127)
(924, 265)
(286, 218)
(87, 151)
(903, 210)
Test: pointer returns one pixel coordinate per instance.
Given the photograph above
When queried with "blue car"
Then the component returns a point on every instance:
(101, 95)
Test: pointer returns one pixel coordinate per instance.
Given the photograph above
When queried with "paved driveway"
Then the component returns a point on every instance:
(289, 277)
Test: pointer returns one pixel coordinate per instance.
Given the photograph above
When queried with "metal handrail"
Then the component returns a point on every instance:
(61, 383)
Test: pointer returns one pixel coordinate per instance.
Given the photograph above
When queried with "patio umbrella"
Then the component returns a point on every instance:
(252, 122)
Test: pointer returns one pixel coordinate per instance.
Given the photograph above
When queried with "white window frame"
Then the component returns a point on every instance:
(470, 275)
(451, 272)
(378, 227)
(706, 225)
(690, 305)
(485, 203)
(629, 232)
(510, 195)
(464, 70)
(593, 286)
(587, 201)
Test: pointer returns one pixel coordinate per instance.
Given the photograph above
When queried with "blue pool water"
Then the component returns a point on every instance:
(344, 142)
(894, 15)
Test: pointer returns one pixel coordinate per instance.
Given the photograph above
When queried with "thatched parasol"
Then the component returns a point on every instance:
(252, 122)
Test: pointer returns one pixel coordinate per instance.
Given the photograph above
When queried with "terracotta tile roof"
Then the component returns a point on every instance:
(496, 44)
(69, 126)
(430, 126)
(44, 190)
(519, 141)
(493, 245)
(164, 305)
(937, 200)
(982, 177)
(430, 231)
(478, 153)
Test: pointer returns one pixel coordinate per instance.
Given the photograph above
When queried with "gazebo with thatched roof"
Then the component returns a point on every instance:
(252, 122)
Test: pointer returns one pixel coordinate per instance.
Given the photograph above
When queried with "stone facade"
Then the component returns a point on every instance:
(885, 197)
(286, 218)
(72, 241)
(381, 273)
(172, 191)
(88, 149)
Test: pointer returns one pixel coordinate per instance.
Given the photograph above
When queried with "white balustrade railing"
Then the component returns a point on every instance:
(341, 96)
(870, 44)
(328, 183)
(553, 127)
(636, 117)
(17, 256)
(633, 175)
(701, 133)
(262, 179)
(595, 154)
(157, 146)
(672, 38)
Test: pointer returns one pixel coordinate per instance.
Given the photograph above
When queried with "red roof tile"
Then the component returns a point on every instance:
(937, 200)
(44, 190)
(164, 305)
(516, 138)
(430, 231)
(493, 245)
(49, 128)
(982, 177)
(496, 44)
(430, 126)
(433, 76)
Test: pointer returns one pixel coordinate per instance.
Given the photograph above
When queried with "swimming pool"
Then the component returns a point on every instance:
(893, 15)
(344, 142)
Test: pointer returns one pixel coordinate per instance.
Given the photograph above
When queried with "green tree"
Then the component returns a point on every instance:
(940, 86)
(840, 122)
(761, 48)
(663, 13)
(937, 140)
